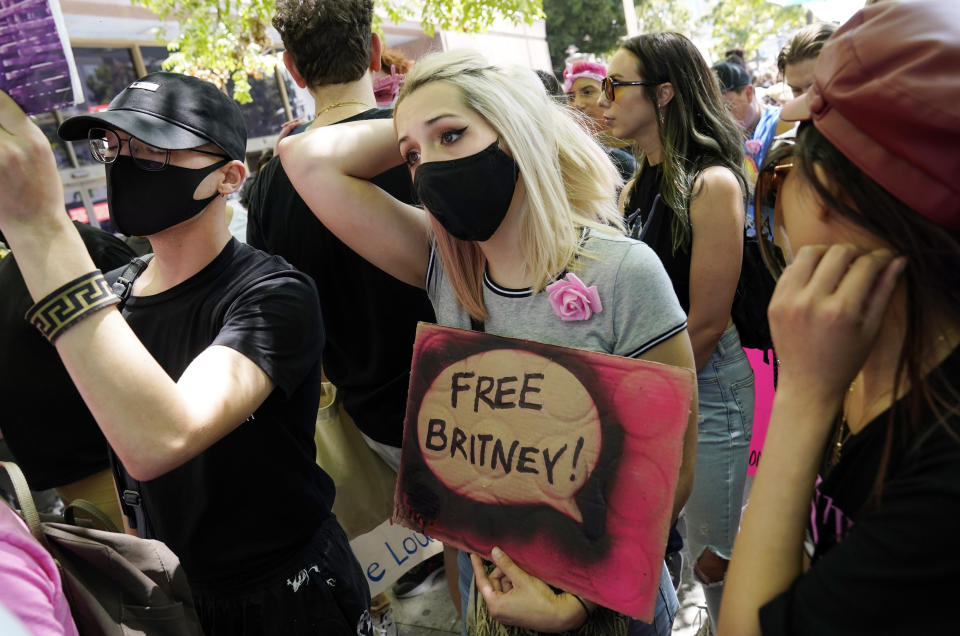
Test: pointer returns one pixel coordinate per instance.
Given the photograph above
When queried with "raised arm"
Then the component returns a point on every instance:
(153, 423)
(329, 167)
(716, 218)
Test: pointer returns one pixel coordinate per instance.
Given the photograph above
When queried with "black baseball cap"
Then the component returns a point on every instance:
(732, 76)
(169, 111)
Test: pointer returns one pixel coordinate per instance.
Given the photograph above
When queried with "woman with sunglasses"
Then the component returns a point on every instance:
(861, 465)
(686, 202)
(581, 85)
(516, 193)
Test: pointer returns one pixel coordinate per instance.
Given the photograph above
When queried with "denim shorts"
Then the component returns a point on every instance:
(725, 425)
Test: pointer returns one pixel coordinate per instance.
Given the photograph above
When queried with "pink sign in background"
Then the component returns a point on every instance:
(763, 383)
(604, 541)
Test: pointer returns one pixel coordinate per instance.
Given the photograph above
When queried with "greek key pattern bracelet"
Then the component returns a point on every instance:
(70, 303)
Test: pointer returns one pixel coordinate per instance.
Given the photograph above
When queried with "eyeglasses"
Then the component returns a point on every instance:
(607, 85)
(767, 205)
(105, 146)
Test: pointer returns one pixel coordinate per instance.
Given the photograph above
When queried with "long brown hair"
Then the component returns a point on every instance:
(696, 129)
(931, 280)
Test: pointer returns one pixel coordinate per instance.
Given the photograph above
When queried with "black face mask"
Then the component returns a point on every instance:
(469, 196)
(144, 202)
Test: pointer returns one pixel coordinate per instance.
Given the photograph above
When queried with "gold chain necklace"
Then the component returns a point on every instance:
(843, 427)
(340, 104)
(843, 434)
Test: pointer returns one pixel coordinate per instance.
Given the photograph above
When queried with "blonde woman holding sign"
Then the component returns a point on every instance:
(518, 200)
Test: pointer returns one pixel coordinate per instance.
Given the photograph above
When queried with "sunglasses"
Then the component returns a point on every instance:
(766, 205)
(607, 85)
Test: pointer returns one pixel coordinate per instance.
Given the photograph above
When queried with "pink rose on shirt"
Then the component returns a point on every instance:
(754, 146)
(572, 300)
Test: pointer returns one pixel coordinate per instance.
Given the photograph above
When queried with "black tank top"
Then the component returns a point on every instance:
(650, 219)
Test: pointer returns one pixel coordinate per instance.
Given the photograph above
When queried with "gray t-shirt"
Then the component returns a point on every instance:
(640, 308)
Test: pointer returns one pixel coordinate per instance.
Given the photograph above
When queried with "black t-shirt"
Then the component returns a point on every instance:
(48, 428)
(886, 568)
(242, 509)
(624, 162)
(370, 317)
(650, 219)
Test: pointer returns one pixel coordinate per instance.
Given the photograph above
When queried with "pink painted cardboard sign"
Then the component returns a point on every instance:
(566, 459)
(763, 404)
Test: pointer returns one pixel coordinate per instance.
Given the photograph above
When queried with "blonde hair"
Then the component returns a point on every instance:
(569, 182)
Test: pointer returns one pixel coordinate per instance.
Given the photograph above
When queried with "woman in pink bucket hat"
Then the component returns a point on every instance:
(861, 468)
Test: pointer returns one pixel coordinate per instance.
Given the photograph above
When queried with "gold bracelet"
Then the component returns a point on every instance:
(69, 304)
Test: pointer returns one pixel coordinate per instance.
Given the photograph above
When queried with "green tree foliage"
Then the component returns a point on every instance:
(597, 26)
(745, 24)
(226, 41)
(664, 15)
(593, 26)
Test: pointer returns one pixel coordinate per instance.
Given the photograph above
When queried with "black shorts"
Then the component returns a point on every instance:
(325, 594)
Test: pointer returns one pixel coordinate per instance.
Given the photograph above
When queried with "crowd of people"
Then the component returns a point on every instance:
(454, 191)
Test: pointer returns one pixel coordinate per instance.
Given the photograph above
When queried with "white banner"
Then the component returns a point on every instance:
(389, 550)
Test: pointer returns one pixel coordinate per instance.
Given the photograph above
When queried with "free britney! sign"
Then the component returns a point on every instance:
(566, 459)
(36, 63)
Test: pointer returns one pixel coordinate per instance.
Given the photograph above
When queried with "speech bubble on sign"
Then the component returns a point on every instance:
(566, 459)
(510, 427)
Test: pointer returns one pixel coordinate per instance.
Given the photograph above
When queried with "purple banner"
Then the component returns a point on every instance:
(36, 63)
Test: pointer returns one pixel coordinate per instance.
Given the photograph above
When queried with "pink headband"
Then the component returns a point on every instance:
(592, 70)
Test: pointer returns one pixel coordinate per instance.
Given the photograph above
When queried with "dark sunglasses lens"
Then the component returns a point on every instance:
(607, 89)
(104, 144)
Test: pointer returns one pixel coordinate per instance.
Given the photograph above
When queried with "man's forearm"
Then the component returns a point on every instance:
(49, 252)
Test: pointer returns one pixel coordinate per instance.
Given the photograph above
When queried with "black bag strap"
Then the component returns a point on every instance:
(123, 286)
(131, 502)
(128, 487)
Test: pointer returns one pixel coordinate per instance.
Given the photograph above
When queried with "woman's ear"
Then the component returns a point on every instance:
(664, 94)
(233, 175)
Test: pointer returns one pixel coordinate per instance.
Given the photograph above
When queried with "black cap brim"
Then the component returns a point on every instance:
(147, 127)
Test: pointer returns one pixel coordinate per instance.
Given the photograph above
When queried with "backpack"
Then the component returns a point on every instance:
(750, 302)
(116, 584)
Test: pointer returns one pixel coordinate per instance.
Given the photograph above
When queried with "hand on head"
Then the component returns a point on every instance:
(826, 312)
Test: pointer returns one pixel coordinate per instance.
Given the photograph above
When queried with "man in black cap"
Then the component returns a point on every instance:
(208, 391)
